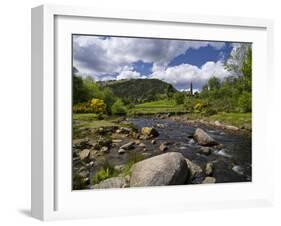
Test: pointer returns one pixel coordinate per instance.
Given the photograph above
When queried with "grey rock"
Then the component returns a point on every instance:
(195, 170)
(137, 142)
(121, 151)
(116, 141)
(149, 131)
(142, 145)
(209, 168)
(203, 138)
(114, 182)
(128, 146)
(217, 123)
(209, 180)
(90, 164)
(205, 150)
(231, 127)
(84, 154)
(166, 169)
(93, 154)
(153, 142)
(163, 147)
(104, 149)
(84, 173)
(162, 126)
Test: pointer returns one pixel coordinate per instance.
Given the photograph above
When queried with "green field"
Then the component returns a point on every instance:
(157, 107)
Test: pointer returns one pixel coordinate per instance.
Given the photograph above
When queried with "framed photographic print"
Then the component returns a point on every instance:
(136, 113)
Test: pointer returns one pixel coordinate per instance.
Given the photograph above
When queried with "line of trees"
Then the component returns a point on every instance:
(88, 97)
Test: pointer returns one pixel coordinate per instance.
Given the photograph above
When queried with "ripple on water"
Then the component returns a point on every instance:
(238, 169)
(223, 152)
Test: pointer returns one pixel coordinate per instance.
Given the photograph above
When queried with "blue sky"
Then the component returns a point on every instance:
(177, 62)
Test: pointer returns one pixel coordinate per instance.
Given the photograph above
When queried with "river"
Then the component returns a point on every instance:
(232, 162)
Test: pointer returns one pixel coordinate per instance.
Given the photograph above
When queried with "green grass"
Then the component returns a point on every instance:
(85, 117)
(105, 173)
(235, 119)
(91, 120)
(108, 171)
(156, 107)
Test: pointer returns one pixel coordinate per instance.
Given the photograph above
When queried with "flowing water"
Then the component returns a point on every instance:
(232, 162)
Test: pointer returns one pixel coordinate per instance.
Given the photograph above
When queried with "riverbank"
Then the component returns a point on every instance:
(228, 121)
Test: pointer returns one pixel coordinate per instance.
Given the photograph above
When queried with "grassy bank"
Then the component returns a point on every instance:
(240, 120)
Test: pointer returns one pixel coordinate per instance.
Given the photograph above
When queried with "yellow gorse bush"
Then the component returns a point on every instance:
(93, 106)
(97, 105)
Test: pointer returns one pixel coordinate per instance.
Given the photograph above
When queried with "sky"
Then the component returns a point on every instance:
(178, 62)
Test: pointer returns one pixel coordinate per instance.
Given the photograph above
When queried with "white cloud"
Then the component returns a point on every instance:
(129, 75)
(97, 56)
(182, 75)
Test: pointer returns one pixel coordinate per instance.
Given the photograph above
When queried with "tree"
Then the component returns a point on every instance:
(118, 108)
(179, 97)
(109, 99)
(214, 83)
(80, 93)
(235, 61)
(92, 88)
(245, 102)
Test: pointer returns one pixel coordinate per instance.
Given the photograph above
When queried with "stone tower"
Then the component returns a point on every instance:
(191, 89)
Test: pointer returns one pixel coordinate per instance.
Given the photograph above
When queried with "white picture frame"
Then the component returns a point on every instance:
(52, 197)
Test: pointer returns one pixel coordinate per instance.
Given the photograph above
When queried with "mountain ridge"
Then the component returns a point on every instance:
(138, 90)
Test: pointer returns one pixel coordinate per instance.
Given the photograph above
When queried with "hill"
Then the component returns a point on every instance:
(139, 90)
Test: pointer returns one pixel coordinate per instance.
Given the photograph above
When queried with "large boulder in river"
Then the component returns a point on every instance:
(203, 138)
(166, 169)
(149, 132)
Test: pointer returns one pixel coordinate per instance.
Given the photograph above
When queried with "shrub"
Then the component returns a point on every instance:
(98, 105)
(198, 107)
(82, 108)
(118, 108)
(245, 102)
(179, 97)
(189, 105)
(210, 111)
(130, 106)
